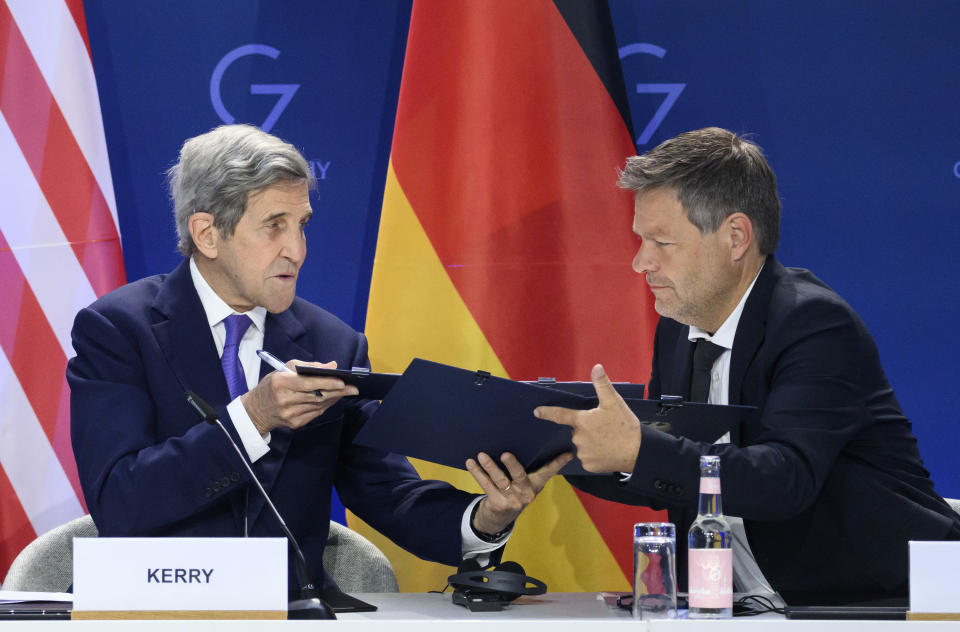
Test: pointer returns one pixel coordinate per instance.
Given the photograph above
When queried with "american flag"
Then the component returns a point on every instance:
(59, 250)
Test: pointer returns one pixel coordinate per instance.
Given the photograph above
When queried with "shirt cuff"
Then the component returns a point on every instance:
(254, 444)
(474, 547)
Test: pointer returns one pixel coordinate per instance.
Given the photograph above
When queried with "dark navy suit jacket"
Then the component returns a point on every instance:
(826, 476)
(149, 467)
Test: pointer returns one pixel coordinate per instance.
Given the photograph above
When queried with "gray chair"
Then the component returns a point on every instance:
(954, 504)
(356, 564)
(46, 564)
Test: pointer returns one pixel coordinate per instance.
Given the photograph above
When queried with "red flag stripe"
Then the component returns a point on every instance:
(506, 146)
(35, 472)
(55, 158)
(59, 249)
(528, 185)
(47, 260)
(614, 520)
(76, 11)
(16, 531)
(50, 31)
(25, 335)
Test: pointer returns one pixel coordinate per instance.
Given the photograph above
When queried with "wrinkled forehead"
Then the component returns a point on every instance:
(281, 198)
(658, 210)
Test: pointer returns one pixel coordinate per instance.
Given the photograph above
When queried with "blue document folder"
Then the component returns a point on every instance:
(444, 414)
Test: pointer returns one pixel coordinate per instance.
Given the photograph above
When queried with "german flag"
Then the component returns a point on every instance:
(505, 245)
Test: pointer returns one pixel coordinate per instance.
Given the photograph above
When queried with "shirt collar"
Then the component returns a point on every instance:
(215, 307)
(724, 336)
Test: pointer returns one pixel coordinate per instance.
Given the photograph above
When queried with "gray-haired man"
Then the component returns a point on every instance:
(146, 463)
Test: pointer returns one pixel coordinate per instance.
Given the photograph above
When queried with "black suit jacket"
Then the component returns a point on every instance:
(826, 476)
(149, 467)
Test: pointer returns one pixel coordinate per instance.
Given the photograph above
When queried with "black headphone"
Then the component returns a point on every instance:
(480, 589)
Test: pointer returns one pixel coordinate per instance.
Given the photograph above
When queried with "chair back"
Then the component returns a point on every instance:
(356, 564)
(46, 564)
(954, 504)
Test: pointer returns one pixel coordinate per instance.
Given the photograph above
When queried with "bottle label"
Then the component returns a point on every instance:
(711, 578)
(709, 485)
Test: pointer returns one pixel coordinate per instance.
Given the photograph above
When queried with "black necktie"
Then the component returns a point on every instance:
(704, 355)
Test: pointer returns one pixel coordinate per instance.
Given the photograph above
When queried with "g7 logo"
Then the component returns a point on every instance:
(671, 90)
(284, 90)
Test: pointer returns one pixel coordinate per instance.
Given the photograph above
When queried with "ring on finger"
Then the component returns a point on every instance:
(506, 490)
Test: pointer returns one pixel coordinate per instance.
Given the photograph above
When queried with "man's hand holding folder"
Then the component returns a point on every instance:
(607, 437)
(508, 493)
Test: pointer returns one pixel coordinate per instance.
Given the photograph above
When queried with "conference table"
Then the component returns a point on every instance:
(553, 612)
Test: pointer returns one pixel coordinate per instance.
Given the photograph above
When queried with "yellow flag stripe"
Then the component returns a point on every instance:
(415, 311)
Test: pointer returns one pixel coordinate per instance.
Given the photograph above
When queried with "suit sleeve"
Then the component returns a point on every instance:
(135, 482)
(386, 492)
(813, 409)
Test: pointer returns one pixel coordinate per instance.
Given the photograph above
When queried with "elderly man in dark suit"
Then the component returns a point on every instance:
(148, 465)
(825, 483)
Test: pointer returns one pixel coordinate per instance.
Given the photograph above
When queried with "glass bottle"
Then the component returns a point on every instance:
(710, 570)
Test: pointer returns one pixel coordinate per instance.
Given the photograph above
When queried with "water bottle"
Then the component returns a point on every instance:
(710, 570)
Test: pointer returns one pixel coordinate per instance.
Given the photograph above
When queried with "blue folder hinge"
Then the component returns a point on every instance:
(480, 377)
(668, 403)
(547, 381)
(359, 369)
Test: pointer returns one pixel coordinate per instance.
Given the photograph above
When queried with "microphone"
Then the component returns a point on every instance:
(310, 605)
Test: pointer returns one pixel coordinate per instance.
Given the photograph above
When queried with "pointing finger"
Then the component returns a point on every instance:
(556, 414)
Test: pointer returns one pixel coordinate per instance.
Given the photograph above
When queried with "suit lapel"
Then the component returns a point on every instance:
(752, 327)
(751, 331)
(185, 340)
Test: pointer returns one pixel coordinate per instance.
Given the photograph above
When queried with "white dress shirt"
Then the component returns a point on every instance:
(217, 310)
(747, 576)
(255, 445)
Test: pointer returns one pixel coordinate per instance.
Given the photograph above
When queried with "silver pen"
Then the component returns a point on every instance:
(273, 361)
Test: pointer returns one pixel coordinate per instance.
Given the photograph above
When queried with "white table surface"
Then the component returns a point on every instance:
(554, 612)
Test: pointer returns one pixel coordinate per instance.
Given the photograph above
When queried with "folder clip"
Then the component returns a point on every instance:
(547, 381)
(480, 377)
(668, 403)
(360, 369)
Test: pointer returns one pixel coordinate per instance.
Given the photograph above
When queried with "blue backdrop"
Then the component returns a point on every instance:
(857, 107)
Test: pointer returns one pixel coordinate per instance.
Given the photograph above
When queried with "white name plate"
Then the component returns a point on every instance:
(933, 577)
(185, 574)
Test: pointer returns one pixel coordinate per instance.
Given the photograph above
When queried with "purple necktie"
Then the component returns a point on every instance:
(237, 325)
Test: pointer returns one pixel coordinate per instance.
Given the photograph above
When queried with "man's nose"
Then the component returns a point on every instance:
(643, 262)
(295, 246)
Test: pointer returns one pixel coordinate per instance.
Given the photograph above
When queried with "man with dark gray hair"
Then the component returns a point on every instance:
(149, 467)
(825, 482)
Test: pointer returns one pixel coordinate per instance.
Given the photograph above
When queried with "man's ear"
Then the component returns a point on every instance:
(740, 231)
(205, 235)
